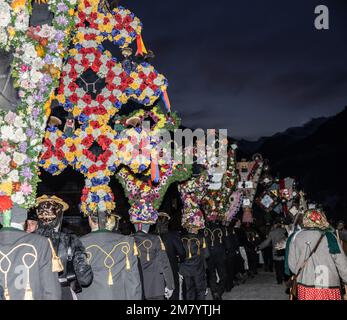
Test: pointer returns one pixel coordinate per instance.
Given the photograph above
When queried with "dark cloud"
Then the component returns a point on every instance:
(254, 67)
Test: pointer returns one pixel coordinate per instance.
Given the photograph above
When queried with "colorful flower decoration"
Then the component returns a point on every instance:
(56, 149)
(143, 212)
(87, 162)
(148, 84)
(79, 100)
(192, 193)
(235, 203)
(38, 55)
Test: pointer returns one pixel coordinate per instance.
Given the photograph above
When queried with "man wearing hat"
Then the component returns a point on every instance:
(27, 261)
(174, 248)
(157, 276)
(76, 270)
(113, 258)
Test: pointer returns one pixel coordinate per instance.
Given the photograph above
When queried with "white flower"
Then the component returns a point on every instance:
(7, 133)
(19, 135)
(36, 76)
(5, 14)
(18, 198)
(22, 21)
(3, 37)
(29, 53)
(13, 176)
(19, 158)
(18, 122)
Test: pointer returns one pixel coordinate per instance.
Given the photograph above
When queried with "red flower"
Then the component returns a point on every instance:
(73, 74)
(94, 168)
(72, 86)
(47, 155)
(89, 155)
(94, 124)
(74, 98)
(59, 143)
(100, 99)
(5, 203)
(104, 142)
(59, 154)
(85, 62)
(72, 148)
(105, 156)
(88, 141)
(87, 99)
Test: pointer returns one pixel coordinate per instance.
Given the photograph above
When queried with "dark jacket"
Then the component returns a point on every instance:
(196, 255)
(155, 265)
(35, 251)
(113, 259)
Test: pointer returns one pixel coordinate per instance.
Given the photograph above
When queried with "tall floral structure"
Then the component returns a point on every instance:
(108, 92)
(36, 55)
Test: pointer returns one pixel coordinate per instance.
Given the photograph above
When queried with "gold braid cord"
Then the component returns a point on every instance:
(189, 243)
(109, 261)
(5, 257)
(41, 1)
(208, 231)
(147, 244)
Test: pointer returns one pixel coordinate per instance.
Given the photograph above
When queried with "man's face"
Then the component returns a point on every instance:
(340, 226)
(31, 226)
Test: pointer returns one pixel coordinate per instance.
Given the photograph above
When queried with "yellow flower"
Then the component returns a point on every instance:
(71, 12)
(11, 32)
(73, 52)
(69, 156)
(18, 4)
(6, 187)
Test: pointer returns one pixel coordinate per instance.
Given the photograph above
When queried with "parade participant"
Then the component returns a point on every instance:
(316, 259)
(28, 263)
(68, 247)
(113, 258)
(113, 222)
(216, 263)
(174, 248)
(267, 252)
(193, 268)
(31, 224)
(242, 240)
(157, 276)
(277, 239)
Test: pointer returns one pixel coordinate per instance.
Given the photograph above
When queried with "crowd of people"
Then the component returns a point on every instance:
(157, 263)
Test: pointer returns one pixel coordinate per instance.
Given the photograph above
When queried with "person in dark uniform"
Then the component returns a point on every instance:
(77, 272)
(193, 268)
(28, 263)
(174, 248)
(113, 258)
(157, 276)
(216, 263)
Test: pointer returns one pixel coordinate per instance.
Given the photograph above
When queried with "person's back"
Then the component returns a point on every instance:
(316, 258)
(155, 266)
(113, 259)
(26, 267)
(323, 269)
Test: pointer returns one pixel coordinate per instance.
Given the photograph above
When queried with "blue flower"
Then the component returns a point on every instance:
(83, 118)
(53, 168)
(108, 198)
(112, 168)
(95, 198)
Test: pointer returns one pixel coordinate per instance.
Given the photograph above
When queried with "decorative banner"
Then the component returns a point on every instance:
(215, 202)
(249, 174)
(37, 59)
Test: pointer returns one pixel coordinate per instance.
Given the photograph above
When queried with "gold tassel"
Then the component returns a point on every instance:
(190, 253)
(148, 259)
(57, 265)
(203, 243)
(127, 263)
(28, 293)
(162, 245)
(136, 252)
(7, 294)
(198, 249)
(110, 278)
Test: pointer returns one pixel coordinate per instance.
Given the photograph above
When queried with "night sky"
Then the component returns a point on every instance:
(253, 67)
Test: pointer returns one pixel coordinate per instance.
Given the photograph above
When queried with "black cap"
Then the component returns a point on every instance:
(32, 215)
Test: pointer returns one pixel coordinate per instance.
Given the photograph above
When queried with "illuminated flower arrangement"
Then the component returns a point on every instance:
(38, 55)
(192, 192)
